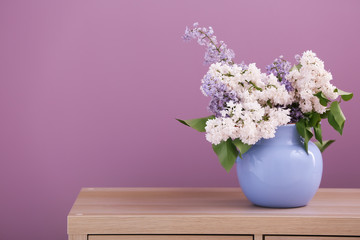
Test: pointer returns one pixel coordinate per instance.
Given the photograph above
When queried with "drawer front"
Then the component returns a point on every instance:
(168, 237)
(309, 238)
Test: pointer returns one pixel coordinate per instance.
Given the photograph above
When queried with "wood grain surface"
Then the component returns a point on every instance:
(209, 211)
(167, 237)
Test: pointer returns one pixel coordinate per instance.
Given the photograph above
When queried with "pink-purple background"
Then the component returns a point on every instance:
(89, 93)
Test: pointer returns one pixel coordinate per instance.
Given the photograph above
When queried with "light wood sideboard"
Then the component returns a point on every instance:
(209, 214)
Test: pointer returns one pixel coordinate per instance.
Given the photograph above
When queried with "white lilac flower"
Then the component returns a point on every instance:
(311, 79)
(249, 122)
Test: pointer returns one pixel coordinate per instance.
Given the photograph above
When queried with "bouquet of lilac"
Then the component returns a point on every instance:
(248, 105)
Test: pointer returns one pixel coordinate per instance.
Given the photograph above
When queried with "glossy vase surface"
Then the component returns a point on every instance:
(278, 172)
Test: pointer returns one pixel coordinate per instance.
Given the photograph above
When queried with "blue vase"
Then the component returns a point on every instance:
(278, 172)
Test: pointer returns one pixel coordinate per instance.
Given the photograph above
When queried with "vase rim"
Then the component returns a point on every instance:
(288, 125)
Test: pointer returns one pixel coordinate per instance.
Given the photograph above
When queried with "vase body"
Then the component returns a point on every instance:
(278, 172)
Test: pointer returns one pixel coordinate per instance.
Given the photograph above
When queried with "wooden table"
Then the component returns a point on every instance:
(209, 213)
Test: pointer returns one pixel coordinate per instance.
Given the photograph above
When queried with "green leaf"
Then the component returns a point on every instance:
(305, 132)
(242, 147)
(333, 123)
(346, 96)
(300, 127)
(324, 145)
(308, 136)
(314, 119)
(198, 124)
(318, 133)
(227, 153)
(322, 98)
(336, 117)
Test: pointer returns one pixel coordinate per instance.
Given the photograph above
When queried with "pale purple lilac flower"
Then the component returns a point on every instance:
(243, 65)
(280, 68)
(219, 94)
(216, 51)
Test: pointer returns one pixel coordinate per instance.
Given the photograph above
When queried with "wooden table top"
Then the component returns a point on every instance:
(340, 208)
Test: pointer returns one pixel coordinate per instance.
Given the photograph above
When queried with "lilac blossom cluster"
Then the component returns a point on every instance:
(310, 80)
(256, 113)
(219, 93)
(280, 68)
(249, 104)
(216, 51)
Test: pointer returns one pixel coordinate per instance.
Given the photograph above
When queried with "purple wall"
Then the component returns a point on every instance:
(89, 91)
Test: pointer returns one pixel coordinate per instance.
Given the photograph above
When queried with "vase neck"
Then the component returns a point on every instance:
(286, 134)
